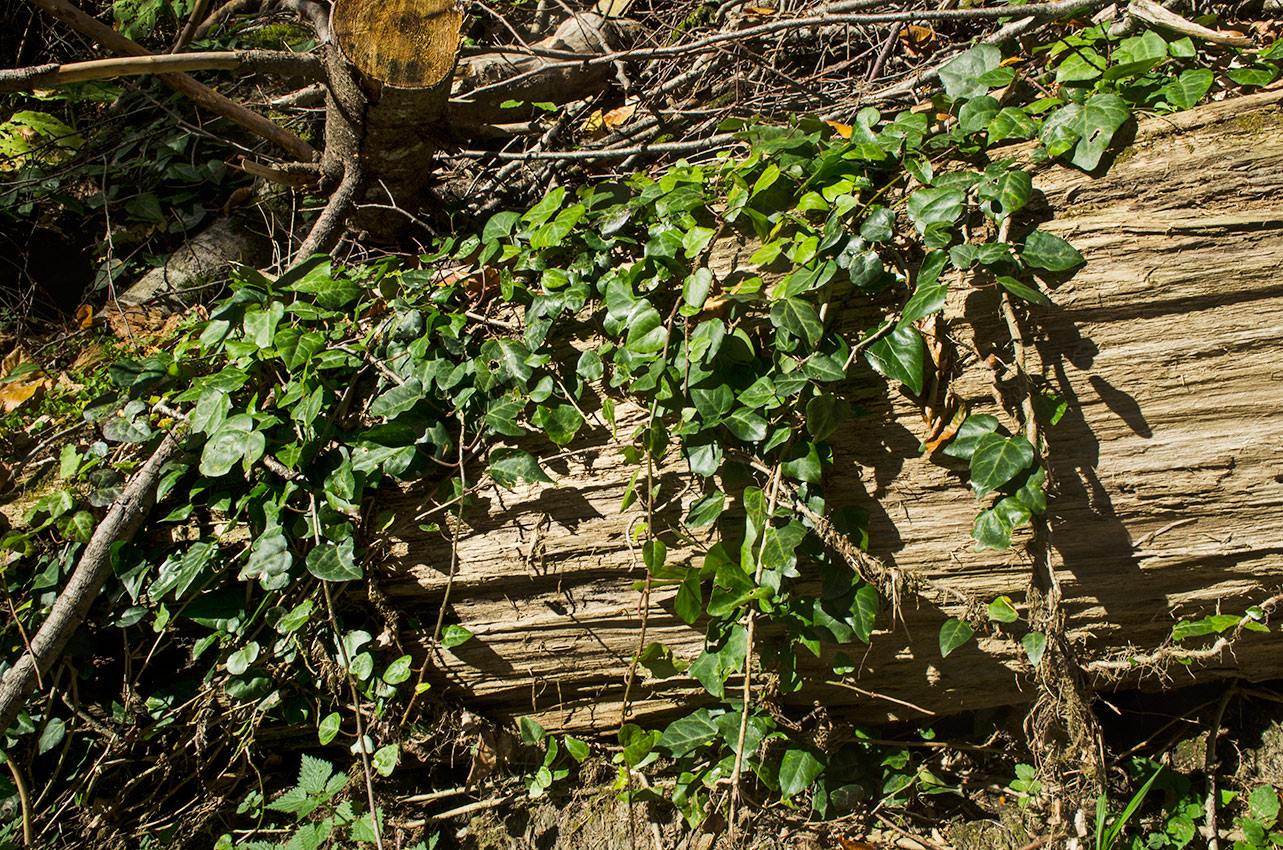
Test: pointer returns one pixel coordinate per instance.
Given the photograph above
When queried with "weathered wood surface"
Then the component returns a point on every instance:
(1168, 468)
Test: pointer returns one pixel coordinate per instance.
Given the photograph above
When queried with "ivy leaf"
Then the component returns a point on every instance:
(1100, 118)
(689, 603)
(968, 437)
(590, 367)
(1023, 290)
(706, 510)
(531, 732)
(696, 240)
(825, 414)
(328, 729)
(929, 294)
(52, 735)
(799, 318)
(695, 289)
(1011, 192)
(991, 531)
(746, 425)
(778, 546)
(398, 399)
(1189, 88)
(1035, 643)
(654, 553)
(578, 749)
(935, 206)
(545, 209)
(960, 75)
(731, 589)
(334, 562)
(234, 441)
(1011, 122)
(1002, 611)
(953, 634)
(646, 331)
(455, 635)
(398, 671)
(260, 325)
(1044, 251)
(500, 226)
(865, 612)
(900, 356)
(689, 733)
(878, 225)
(561, 422)
(269, 560)
(996, 461)
(798, 769)
(976, 114)
(509, 465)
(1137, 55)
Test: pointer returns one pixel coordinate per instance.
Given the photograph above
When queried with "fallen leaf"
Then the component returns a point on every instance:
(85, 316)
(20, 380)
(764, 11)
(616, 118)
(917, 34)
(843, 130)
(594, 124)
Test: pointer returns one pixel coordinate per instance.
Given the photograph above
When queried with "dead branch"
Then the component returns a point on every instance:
(281, 62)
(73, 603)
(204, 96)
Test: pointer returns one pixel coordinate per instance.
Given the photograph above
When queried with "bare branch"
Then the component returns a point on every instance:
(201, 94)
(280, 62)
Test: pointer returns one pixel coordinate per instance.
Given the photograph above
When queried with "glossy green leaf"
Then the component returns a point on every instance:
(455, 635)
(953, 634)
(234, 442)
(260, 325)
(1189, 88)
(930, 292)
(976, 113)
(696, 287)
(799, 318)
(560, 422)
(1023, 290)
(579, 750)
(689, 733)
(1136, 55)
(1044, 251)
(864, 612)
(1002, 611)
(706, 510)
(646, 331)
(960, 76)
(799, 768)
(1035, 643)
(689, 602)
(991, 530)
(825, 414)
(500, 226)
(746, 425)
(531, 732)
(1101, 116)
(996, 461)
(731, 589)
(1011, 123)
(900, 356)
(385, 759)
(509, 465)
(334, 562)
(328, 729)
(398, 399)
(398, 671)
(935, 206)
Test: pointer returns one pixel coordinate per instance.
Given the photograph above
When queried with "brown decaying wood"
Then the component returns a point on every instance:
(1167, 346)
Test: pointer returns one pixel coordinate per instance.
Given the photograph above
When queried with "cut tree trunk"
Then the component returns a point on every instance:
(1167, 495)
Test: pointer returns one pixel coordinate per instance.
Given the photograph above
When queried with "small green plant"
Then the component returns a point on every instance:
(1027, 786)
(1109, 829)
(1260, 820)
(554, 767)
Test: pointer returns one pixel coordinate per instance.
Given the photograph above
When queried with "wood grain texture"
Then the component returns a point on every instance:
(1168, 468)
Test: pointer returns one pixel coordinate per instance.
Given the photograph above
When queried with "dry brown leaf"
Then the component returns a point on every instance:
(917, 34)
(85, 316)
(17, 392)
(616, 118)
(763, 11)
(132, 321)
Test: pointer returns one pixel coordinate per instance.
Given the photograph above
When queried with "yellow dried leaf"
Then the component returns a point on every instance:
(85, 316)
(616, 118)
(594, 123)
(843, 130)
(764, 11)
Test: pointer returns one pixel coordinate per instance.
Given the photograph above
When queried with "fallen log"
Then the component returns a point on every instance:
(1165, 502)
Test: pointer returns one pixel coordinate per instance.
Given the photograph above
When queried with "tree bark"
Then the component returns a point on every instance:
(1167, 479)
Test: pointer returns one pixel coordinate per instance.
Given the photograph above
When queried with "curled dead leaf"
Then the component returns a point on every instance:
(843, 130)
(20, 380)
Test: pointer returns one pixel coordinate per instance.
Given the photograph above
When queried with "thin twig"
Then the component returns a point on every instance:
(24, 797)
(1210, 766)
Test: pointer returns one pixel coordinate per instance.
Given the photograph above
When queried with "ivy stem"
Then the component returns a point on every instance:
(449, 582)
(748, 657)
(356, 697)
